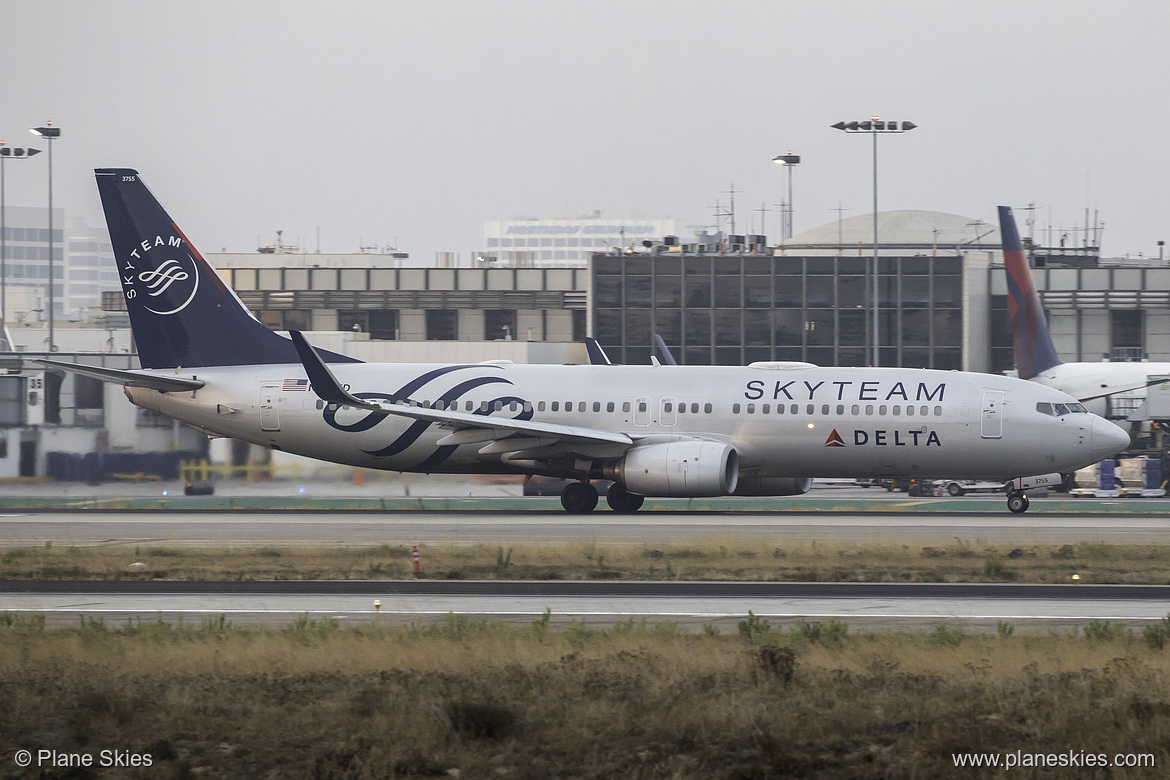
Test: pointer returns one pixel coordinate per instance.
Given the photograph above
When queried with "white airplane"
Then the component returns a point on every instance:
(762, 430)
(1093, 384)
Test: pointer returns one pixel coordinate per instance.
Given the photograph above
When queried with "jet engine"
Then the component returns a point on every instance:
(677, 468)
(773, 486)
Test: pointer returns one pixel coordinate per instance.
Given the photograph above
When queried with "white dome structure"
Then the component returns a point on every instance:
(899, 233)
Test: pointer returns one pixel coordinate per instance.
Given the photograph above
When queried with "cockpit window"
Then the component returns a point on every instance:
(1059, 410)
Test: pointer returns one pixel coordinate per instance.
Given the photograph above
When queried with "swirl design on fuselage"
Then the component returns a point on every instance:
(418, 427)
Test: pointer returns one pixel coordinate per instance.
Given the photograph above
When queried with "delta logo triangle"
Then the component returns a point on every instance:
(834, 440)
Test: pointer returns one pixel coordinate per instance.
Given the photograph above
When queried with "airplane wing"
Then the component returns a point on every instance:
(164, 384)
(498, 434)
(1142, 386)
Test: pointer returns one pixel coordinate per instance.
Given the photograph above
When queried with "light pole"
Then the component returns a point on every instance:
(49, 132)
(6, 153)
(875, 127)
(787, 160)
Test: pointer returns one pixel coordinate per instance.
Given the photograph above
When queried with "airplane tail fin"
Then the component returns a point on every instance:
(1034, 350)
(181, 312)
(597, 356)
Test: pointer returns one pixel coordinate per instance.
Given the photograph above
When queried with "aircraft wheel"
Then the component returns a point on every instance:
(579, 498)
(622, 500)
(955, 489)
(1018, 503)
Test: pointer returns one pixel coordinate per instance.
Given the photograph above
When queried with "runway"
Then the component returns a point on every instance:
(863, 606)
(866, 607)
(283, 527)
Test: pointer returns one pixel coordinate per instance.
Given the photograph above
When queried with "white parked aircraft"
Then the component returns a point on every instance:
(762, 430)
(1093, 384)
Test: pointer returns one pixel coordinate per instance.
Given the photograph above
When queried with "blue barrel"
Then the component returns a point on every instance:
(1153, 473)
(1107, 478)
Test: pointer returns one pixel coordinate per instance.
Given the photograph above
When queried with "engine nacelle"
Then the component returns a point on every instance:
(773, 486)
(678, 468)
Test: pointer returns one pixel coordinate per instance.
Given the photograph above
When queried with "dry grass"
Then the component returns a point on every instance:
(703, 559)
(315, 700)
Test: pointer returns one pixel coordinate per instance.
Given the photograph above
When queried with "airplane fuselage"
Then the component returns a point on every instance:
(1111, 380)
(783, 422)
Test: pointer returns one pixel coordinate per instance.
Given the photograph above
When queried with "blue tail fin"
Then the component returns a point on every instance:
(181, 311)
(1034, 350)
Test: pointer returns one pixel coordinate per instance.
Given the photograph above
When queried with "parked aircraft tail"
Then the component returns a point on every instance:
(1034, 350)
(181, 312)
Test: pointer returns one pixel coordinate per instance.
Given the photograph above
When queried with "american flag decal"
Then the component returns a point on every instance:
(293, 385)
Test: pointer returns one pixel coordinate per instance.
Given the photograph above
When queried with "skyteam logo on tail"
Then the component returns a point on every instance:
(164, 280)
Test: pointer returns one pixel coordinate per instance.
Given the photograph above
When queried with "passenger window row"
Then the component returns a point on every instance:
(670, 407)
(855, 410)
(552, 406)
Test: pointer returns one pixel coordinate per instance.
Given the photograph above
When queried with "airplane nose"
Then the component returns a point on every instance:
(1107, 439)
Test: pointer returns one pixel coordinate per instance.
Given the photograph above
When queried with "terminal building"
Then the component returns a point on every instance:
(942, 298)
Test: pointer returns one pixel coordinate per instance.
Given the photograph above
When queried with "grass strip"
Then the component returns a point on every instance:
(709, 558)
(635, 700)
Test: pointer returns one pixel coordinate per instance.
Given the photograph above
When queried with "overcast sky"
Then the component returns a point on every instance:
(414, 122)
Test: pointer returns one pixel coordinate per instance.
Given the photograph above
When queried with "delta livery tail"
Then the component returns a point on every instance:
(766, 429)
(1034, 351)
(1100, 386)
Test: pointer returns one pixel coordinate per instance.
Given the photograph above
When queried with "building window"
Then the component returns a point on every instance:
(1126, 338)
(383, 324)
(499, 324)
(298, 319)
(442, 324)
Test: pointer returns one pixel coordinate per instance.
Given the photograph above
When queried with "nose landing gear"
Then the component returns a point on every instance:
(1017, 502)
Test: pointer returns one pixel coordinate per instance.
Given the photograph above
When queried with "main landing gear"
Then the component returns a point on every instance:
(622, 500)
(581, 498)
(1017, 501)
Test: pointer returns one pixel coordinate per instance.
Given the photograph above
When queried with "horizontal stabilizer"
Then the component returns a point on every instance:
(164, 384)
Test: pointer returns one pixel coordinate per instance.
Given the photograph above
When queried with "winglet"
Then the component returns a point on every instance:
(324, 383)
(597, 356)
(664, 350)
(1034, 350)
